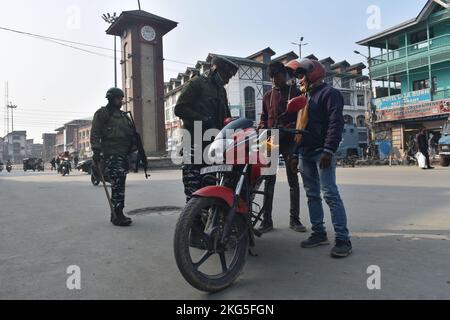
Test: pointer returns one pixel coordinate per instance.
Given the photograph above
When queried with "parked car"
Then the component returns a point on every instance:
(85, 166)
(1, 166)
(33, 164)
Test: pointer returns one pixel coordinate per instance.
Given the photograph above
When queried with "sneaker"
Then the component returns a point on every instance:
(342, 249)
(297, 226)
(315, 241)
(266, 227)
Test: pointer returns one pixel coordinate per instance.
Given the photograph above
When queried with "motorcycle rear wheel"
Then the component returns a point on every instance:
(190, 269)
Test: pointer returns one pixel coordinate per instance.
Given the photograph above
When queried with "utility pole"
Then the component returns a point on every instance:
(372, 107)
(6, 108)
(300, 45)
(108, 18)
(12, 107)
(139, 4)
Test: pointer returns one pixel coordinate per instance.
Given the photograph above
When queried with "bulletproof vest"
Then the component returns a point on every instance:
(118, 134)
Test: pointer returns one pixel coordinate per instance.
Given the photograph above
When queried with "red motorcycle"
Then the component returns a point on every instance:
(223, 216)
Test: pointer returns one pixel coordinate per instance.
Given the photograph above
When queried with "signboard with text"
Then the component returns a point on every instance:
(401, 100)
(417, 110)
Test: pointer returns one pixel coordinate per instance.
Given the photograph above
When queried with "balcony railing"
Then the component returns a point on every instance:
(411, 50)
(441, 95)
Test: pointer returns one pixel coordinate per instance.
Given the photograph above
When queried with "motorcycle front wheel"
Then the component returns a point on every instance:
(210, 267)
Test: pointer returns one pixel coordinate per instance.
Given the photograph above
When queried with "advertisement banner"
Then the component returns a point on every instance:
(401, 100)
(419, 110)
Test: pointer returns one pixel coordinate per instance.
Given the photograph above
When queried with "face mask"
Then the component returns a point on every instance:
(291, 81)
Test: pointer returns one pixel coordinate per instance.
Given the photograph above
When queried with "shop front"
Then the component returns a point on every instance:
(400, 125)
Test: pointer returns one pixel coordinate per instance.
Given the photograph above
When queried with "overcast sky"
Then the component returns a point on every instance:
(52, 84)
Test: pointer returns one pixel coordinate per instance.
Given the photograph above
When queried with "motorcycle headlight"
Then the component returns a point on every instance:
(217, 150)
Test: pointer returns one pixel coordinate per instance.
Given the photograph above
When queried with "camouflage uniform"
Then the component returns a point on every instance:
(113, 135)
(117, 168)
(201, 100)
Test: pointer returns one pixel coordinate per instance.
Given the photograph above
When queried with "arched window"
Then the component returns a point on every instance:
(361, 121)
(250, 103)
(348, 119)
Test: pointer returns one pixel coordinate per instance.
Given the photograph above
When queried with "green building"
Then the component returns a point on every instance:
(410, 70)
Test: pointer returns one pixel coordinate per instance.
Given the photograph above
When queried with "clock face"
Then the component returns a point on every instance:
(148, 33)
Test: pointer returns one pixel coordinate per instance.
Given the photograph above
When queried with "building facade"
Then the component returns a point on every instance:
(84, 141)
(48, 146)
(2, 149)
(410, 65)
(68, 136)
(246, 90)
(15, 146)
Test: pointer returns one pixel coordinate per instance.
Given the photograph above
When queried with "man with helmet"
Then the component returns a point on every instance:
(203, 103)
(112, 141)
(323, 120)
(273, 115)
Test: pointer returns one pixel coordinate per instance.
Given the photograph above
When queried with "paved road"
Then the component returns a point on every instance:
(399, 217)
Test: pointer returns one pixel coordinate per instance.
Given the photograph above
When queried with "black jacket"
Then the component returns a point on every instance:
(422, 143)
(326, 120)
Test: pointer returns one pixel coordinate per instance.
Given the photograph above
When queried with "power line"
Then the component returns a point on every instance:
(60, 42)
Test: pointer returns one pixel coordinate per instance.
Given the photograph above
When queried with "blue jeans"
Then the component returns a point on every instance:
(317, 181)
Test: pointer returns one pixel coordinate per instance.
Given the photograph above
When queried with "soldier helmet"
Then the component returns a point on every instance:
(225, 64)
(114, 93)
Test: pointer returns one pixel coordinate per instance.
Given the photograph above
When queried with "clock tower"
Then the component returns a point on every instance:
(142, 63)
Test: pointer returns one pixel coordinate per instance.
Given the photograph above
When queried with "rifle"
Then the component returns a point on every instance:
(141, 152)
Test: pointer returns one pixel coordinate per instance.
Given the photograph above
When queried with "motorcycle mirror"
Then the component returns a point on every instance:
(297, 104)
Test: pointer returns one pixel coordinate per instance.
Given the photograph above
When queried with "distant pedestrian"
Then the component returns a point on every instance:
(58, 163)
(424, 147)
(53, 164)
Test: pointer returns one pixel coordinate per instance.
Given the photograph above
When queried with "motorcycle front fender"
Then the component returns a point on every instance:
(223, 193)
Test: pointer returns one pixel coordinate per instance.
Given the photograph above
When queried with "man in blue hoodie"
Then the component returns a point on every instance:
(323, 121)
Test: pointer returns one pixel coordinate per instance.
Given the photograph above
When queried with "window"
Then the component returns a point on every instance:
(345, 83)
(348, 119)
(250, 103)
(347, 98)
(361, 121)
(420, 36)
(424, 84)
(361, 100)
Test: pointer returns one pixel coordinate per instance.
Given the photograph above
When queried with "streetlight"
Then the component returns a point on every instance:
(108, 18)
(300, 45)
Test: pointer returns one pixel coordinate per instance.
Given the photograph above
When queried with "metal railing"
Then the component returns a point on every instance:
(441, 95)
(411, 50)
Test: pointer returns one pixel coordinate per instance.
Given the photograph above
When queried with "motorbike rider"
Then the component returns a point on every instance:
(112, 140)
(323, 120)
(203, 101)
(274, 106)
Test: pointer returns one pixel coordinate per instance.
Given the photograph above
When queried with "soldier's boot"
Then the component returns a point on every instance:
(118, 218)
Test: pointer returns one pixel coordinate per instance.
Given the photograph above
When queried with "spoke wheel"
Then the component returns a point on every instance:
(203, 260)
